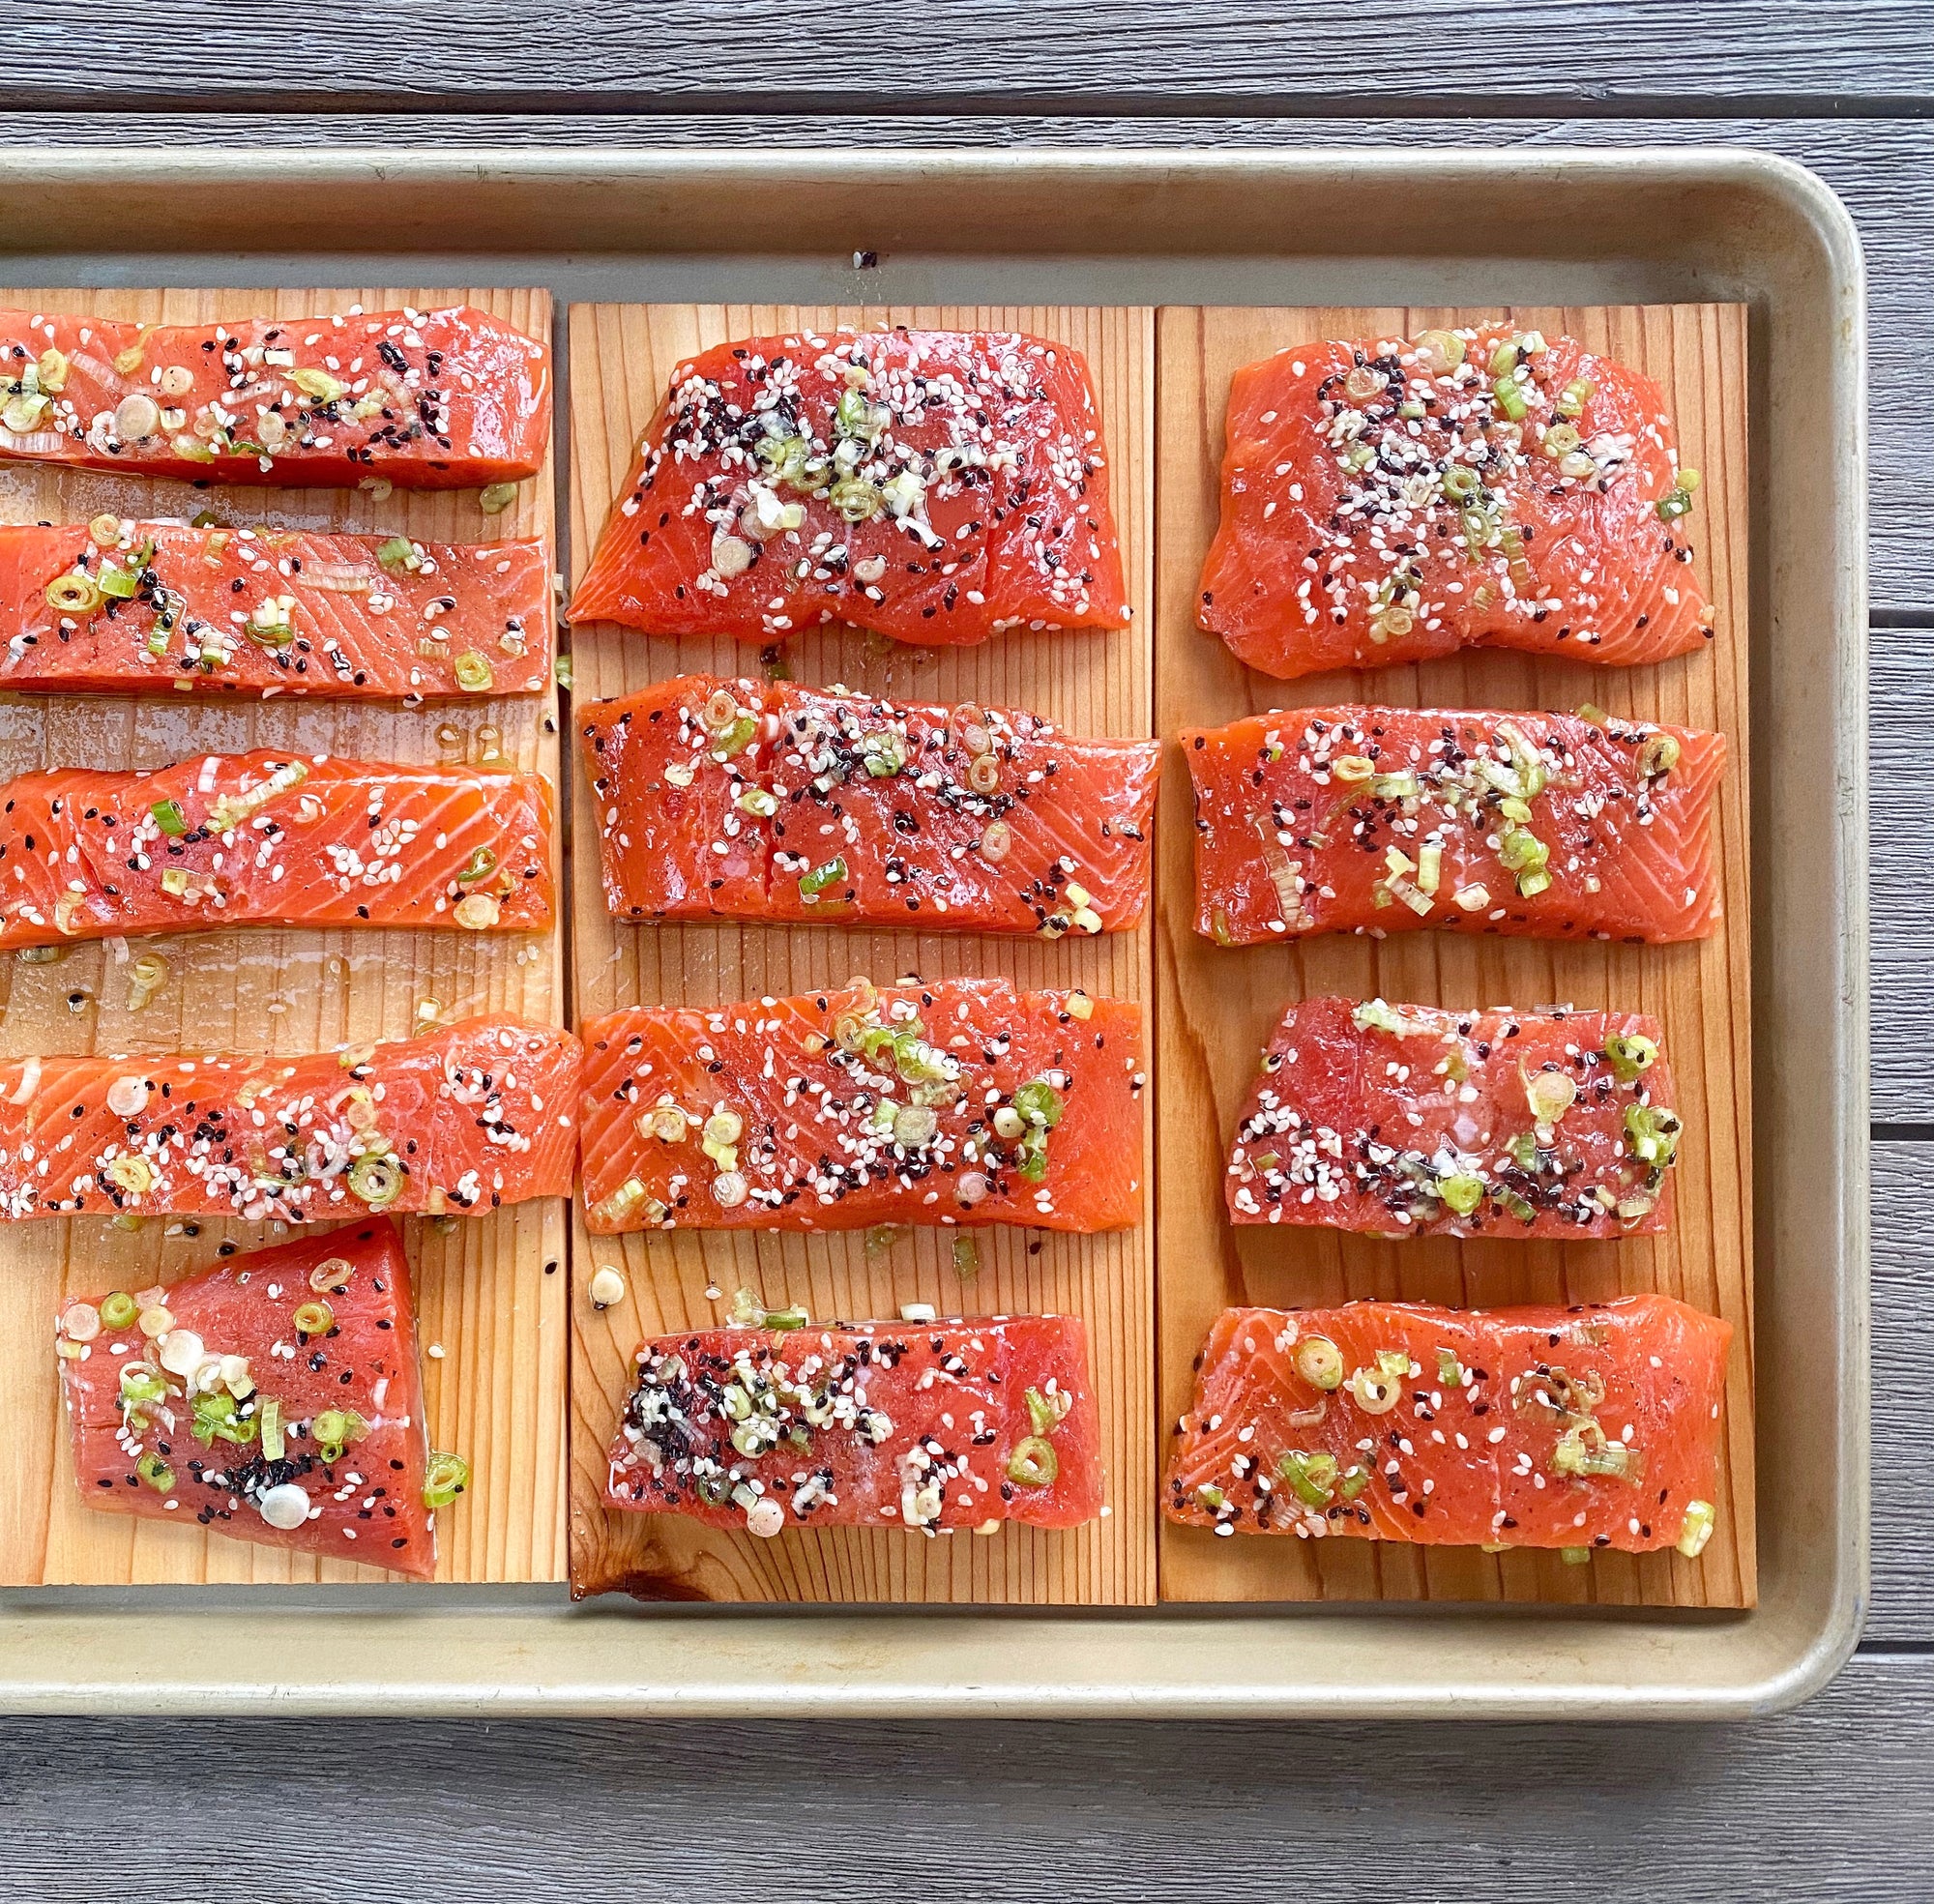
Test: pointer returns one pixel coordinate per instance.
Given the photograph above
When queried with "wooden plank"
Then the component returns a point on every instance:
(513, 55)
(1903, 1350)
(496, 1389)
(620, 357)
(1215, 1008)
(1834, 1803)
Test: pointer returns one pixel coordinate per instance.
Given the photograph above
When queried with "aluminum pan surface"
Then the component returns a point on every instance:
(1549, 226)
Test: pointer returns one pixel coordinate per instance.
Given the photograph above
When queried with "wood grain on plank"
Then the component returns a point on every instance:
(1089, 683)
(1217, 1007)
(496, 1393)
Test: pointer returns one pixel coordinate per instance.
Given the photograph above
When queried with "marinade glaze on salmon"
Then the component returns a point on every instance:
(770, 800)
(1407, 1120)
(129, 608)
(936, 487)
(1579, 1429)
(1379, 819)
(961, 1101)
(457, 1121)
(934, 1426)
(432, 399)
(1389, 501)
(274, 1398)
(267, 838)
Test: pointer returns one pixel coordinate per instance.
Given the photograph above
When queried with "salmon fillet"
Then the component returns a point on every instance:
(936, 487)
(274, 1398)
(1581, 1429)
(932, 1427)
(263, 839)
(752, 800)
(1407, 1120)
(131, 608)
(435, 399)
(457, 1121)
(963, 1101)
(1373, 819)
(1390, 500)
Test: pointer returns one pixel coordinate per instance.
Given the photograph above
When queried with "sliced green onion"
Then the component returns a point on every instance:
(1571, 400)
(760, 801)
(378, 1179)
(269, 1416)
(1679, 502)
(1033, 1463)
(319, 385)
(1461, 482)
(1320, 1362)
(1550, 1095)
(474, 673)
(397, 555)
(815, 882)
(1046, 1413)
(1462, 1192)
(1513, 1205)
(560, 672)
(1373, 1015)
(1377, 1388)
(1449, 1370)
(1584, 1452)
(497, 498)
(1040, 1103)
(119, 1309)
(1629, 1055)
(1510, 398)
(1696, 1529)
(1576, 1555)
(140, 1383)
(480, 865)
(313, 1318)
(156, 1473)
(169, 817)
(335, 1429)
(118, 584)
(1311, 1478)
(1658, 755)
(73, 595)
(1651, 1133)
(446, 1478)
(966, 1258)
(1559, 440)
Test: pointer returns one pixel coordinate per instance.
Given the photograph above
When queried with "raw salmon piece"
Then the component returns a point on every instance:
(937, 487)
(1406, 1120)
(274, 1398)
(1389, 501)
(131, 608)
(934, 1425)
(1595, 1426)
(752, 799)
(457, 1121)
(264, 839)
(962, 1102)
(432, 399)
(1545, 825)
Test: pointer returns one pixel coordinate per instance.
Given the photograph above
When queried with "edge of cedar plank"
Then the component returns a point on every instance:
(1726, 565)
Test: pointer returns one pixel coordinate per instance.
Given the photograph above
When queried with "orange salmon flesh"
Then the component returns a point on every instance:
(1387, 501)
(1586, 1427)
(754, 799)
(963, 1101)
(436, 399)
(1374, 819)
(936, 487)
(151, 607)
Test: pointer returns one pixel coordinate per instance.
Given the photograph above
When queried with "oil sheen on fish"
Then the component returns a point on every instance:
(764, 800)
(274, 1398)
(267, 839)
(934, 1426)
(126, 607)
(1579, 1429)
(455, 1121)
(961, 1101)
(1379, 819)
(1408, 1120)
(1389, 499)
(936, 487)
(426, 400)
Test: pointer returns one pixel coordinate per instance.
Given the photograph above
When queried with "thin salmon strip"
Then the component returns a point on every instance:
(1371, 819)
(267, 839)
(1407, 1120)
(932, 1427)
(750, 800)
(426, 400)
(963, 1101)
(1390, 500)
(936, 487)
(1579, 1429)
(131, 608)
(273, 1399)
(458, 1120)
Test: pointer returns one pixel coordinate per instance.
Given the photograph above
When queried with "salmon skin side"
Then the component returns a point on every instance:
(129, 608)
(936, 487)
(962, 1102)
(209, 1403)
(1595, 1426)
(932, 1427)
(266, 840)
(1376, 819)
(1405, 1120)
(1387, 501)
(435, 399)
(456, 1122)
(752, 799)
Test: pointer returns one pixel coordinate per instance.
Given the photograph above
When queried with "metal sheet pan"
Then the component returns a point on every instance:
(1345, 226)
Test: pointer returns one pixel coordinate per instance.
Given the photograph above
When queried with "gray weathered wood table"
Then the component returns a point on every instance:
(1834, 1800)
